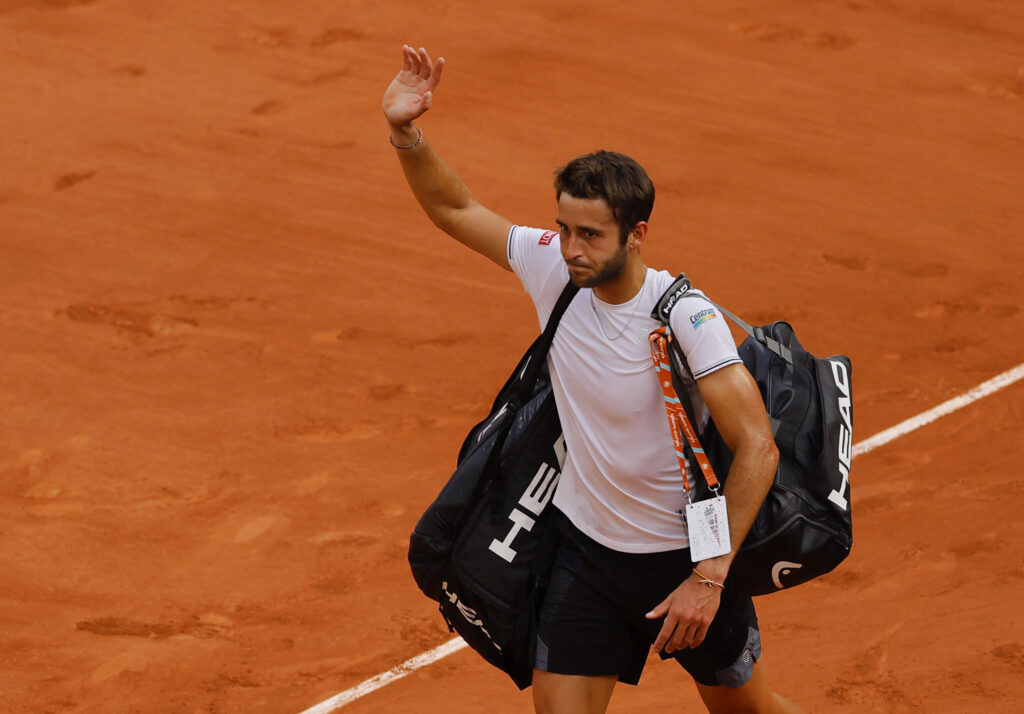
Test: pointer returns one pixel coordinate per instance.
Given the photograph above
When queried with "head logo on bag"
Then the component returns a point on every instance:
(842, 379)
(783, 567)
(534, 499)
(468, 613)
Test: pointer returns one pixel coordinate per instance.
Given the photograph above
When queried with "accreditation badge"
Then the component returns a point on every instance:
(708, 525)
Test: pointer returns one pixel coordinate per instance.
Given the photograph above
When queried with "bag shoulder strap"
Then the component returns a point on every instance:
(681, 372)
(681, 287)
(539, 351)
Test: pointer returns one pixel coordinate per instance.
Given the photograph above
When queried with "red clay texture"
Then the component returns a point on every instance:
(237, 362)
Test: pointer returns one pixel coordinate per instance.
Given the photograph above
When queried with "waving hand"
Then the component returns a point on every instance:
(443, 196)
(411, 92)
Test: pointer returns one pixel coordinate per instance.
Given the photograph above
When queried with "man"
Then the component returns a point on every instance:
(623, 580)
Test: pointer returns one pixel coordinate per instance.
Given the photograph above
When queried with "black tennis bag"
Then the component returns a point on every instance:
(804, 527)
(483, 549)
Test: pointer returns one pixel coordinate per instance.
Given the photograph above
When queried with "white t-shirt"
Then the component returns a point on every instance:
(620, 483)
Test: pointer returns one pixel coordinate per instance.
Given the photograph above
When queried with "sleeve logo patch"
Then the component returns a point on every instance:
(699, 318)
(547, 238)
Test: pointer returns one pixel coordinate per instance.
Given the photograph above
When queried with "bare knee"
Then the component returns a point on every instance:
(570, 694)
(754, 697)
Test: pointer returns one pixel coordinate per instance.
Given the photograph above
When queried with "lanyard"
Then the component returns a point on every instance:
(678, 422)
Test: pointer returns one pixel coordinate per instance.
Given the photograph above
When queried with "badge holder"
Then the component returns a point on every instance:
(707, 521)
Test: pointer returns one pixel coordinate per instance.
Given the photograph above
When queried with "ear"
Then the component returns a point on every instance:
(635, 239)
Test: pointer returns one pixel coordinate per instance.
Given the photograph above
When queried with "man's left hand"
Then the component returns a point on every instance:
(688, 613)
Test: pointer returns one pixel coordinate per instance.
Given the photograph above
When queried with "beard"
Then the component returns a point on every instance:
(602, 272)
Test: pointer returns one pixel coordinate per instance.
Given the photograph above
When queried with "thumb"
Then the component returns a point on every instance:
(658, 611)
(428, 98)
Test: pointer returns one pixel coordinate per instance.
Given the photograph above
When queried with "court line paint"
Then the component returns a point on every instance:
(382, 680)
(880, 439)
(982, 390)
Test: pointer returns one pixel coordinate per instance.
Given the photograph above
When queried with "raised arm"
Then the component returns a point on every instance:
(442, 194)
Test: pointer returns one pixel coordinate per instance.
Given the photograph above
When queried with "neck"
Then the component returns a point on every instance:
(624, 286)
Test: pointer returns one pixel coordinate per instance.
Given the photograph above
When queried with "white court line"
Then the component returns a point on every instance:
(382, 680)
(884, 437)
(982, 390)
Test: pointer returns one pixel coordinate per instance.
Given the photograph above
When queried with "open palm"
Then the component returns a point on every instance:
(411, 92)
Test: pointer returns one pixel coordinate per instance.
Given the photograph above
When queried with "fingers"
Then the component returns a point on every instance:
(426, 66)
(436, 75)
(418, 62)
(682, 636)
(666, 631)
(664, 636)
(676, 632)
(698, 638)
(678, 635)
(659, 610)
(411, 60)
(680, 630)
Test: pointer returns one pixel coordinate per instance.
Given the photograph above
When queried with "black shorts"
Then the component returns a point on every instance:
(592, 620)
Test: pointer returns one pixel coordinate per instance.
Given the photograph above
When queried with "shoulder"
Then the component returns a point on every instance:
(689, 302)
(694, 310)
(533, 249)
(525, 238)
(703, 334)
(535, 256)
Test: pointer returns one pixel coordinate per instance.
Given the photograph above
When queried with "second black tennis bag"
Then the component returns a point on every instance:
(483, 548)
(804, 528)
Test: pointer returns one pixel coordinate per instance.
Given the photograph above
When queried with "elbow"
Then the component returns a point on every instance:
(758, 453)
(441, 219)
(771, 452)
(767, 452)
(763, 461)
(447, 219)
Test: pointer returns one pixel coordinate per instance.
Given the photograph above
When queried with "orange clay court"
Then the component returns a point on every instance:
(237, 362)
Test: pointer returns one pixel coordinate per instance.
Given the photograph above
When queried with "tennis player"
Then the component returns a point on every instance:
(623, 580)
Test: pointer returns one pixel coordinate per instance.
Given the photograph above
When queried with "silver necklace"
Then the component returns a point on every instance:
(593, 306)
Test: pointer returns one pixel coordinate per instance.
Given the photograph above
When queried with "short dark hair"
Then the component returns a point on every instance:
(616, 178)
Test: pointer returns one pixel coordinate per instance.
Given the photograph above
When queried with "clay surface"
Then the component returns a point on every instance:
(236, 362)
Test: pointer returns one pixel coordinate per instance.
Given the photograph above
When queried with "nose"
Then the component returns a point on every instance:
(572, 246)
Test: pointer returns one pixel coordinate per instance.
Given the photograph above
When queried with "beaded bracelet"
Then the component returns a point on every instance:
(705, 580)
(413, 145)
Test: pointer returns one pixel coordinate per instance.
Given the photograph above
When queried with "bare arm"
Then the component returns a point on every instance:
(735, 404)
(440, 192)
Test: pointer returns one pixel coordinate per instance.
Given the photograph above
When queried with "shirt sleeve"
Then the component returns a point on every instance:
(703, 335)
(535, 256)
